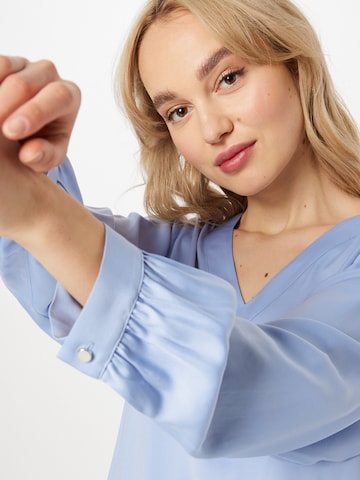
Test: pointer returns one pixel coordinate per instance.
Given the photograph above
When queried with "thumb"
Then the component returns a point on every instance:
(42, 155)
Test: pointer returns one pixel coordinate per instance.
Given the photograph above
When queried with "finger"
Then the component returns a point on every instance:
(41, 155)
(54, 107)
(21, 85)
(9, 65)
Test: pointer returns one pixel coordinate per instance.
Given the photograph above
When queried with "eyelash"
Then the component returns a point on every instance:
(169, 116)
(237, 73)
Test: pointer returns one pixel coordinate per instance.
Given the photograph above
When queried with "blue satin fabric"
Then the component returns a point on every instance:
(214, 388)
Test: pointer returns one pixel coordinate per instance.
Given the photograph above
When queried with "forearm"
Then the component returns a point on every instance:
(64, 237)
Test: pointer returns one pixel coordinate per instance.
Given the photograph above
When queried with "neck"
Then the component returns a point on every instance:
(307, 199)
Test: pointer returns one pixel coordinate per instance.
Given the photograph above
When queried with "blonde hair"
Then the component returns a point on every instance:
(261, 32)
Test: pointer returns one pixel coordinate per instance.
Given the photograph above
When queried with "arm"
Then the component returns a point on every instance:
(37, 112)
(57, 230)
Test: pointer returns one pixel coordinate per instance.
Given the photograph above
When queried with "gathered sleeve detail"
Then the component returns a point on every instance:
(151, 339)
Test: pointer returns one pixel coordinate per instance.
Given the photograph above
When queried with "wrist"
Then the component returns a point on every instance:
(34, 208)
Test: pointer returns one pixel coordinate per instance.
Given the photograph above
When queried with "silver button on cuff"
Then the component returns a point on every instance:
(85, 355)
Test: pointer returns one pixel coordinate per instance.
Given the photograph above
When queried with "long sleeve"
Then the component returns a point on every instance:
(132, 331)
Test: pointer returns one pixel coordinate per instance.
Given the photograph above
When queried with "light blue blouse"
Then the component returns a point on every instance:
(214, 388)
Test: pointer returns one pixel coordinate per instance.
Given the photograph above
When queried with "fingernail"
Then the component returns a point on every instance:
(15, 127)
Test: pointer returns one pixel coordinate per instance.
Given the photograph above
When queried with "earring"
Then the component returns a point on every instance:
(182, 160)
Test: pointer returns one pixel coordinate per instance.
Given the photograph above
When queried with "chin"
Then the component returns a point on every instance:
(248, 191)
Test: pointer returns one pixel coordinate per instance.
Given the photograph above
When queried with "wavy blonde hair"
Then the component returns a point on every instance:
(261, 32)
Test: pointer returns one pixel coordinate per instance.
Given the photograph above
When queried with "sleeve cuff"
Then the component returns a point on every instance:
(95, 335)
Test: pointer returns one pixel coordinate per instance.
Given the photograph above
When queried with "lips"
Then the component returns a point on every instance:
(235, 157)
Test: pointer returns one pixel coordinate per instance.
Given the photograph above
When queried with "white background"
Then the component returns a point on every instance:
(56, 423)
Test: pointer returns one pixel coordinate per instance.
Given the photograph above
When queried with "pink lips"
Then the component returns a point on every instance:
(235, 157)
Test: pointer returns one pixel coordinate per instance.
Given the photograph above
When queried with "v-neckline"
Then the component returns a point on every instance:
(220, 242)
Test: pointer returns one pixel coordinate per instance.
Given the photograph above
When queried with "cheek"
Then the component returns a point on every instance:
(277, 109)
(293, 117)
(187, 144)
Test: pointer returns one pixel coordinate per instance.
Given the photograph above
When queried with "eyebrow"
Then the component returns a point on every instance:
(203, 71)
(162, 98)
(210, 63)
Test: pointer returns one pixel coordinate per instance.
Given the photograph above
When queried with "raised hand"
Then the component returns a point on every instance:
(37, 109)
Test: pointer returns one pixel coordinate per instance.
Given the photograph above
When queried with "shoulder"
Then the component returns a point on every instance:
(177, 240)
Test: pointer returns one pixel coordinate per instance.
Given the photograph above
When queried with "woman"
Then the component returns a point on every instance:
(242, 367)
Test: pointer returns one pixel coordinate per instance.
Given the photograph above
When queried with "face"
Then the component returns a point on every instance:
(239, 124)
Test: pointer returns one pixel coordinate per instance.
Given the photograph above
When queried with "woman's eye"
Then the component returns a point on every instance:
(230, 78)
(177, 114)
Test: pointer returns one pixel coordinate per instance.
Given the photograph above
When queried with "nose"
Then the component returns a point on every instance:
(215, 123)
